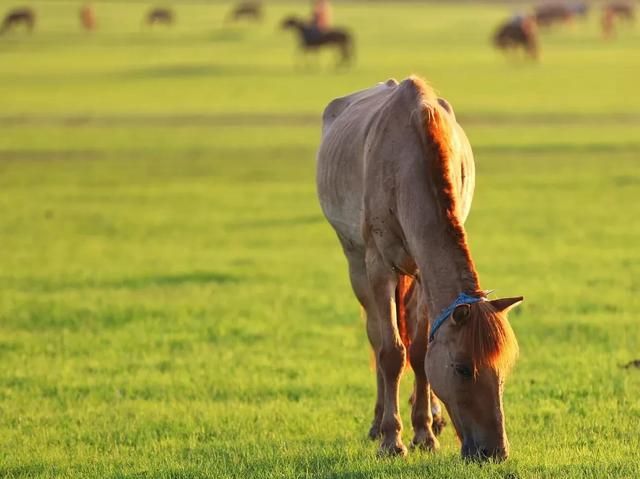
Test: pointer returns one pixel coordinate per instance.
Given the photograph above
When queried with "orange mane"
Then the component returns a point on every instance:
(438, 135)
(489, 339)
(487, 335)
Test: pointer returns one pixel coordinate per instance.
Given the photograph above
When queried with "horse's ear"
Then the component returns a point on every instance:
(461, 314)
(503, 305)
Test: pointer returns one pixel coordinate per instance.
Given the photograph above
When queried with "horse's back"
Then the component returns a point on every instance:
(340, 168)
(21, 14)
(373, 145)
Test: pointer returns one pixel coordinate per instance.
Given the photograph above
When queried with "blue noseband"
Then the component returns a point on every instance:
(463, 298)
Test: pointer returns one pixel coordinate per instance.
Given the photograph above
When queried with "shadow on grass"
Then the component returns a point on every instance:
(592, 147)
(196, 277)
(132, 283)
(276, 222)
(208, 69)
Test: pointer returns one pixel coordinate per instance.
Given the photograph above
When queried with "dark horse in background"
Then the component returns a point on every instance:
(518, 33)
(550, 14)
(312, 39)
(250, 10)
(25, 16)
(160, 15)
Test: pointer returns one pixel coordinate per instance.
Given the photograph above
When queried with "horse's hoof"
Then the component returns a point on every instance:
(438, 424)
(396, 449)
(374, 432)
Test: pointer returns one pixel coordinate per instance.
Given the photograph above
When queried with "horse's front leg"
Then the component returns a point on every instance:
(421, 412)
(439, 421)
(391, 357)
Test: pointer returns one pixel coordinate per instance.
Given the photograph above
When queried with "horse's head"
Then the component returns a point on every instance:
(469, 355)
(290, 22)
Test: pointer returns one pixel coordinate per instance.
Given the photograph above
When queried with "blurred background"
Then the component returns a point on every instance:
(172, 302)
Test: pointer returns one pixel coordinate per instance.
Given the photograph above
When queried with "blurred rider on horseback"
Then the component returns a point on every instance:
(321, 17)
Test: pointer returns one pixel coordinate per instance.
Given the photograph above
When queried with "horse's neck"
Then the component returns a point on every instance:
(449, 271)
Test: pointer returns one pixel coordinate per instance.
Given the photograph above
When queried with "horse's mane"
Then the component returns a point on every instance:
(489, 339)
(487, 334)
(438, 136)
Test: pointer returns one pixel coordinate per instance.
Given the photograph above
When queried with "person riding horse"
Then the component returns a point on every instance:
(320, 18)
(319, 32)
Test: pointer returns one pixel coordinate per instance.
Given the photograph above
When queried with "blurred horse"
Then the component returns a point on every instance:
(551, 14)
(87, 17)
(579, 9)
(518, 33)
(395, 179)
(622, 10)
(611, 13)
(249, 10)
(312, 39)
(160, 15)
(25, 16)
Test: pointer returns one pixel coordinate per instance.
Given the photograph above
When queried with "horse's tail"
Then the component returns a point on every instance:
(404, 289)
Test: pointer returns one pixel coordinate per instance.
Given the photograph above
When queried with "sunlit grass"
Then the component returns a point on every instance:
(172, 303)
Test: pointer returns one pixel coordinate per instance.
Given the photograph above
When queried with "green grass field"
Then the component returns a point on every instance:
(172, 303)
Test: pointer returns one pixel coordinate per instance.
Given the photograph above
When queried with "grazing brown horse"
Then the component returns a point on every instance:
(518, 33)
(551, 14)
(87, 17)
(611, 14)
(249, 10)
(312, 39)
(622, 10)
(395, 178)
(26, 16)
(160, 15)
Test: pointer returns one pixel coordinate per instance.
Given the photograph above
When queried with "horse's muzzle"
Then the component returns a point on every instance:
(473, 452)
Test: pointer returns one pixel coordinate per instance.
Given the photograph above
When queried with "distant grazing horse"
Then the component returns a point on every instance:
(26, 16)
(395, 178)
(248, 10)
(160, 15)
(312, 39)
(621, 10)
(87, 17)
(518, 33)
(611, 13)
(553, 13)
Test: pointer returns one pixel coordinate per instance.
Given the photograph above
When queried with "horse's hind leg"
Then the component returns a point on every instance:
(360, 285)
(373, 332)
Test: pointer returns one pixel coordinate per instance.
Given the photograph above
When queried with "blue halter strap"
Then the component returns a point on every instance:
(463, 298)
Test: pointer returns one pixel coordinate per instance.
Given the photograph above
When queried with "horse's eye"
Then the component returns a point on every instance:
(463, 371)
